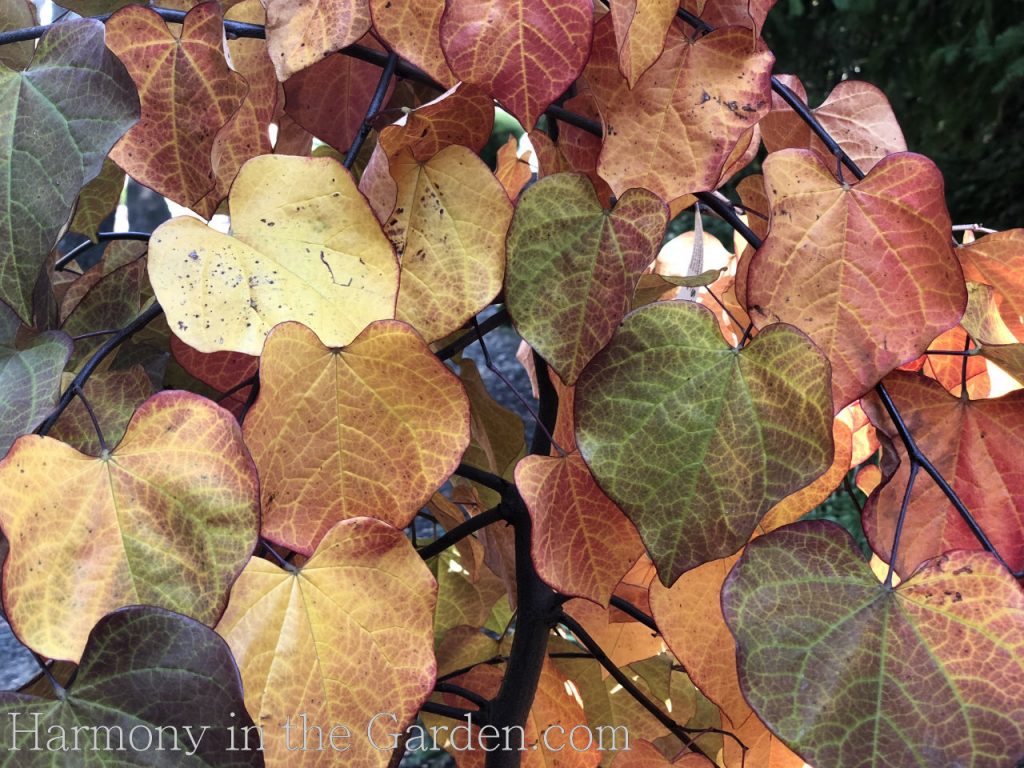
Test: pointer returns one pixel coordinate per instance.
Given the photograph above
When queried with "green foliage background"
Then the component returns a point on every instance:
(952, 69)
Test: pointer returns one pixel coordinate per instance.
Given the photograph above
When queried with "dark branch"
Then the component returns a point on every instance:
(375, 104)
(483, 477)
(496, 320)
(461, 531)
(153, 311)
(102, 237)
(454, 713)
(631, 610)
(680, 732)
(471, 696)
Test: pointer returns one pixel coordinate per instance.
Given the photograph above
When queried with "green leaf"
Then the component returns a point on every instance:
(58, 120)
(695, 440)
(155, 688)
(851, 673)
(29, 378)
(573, 266)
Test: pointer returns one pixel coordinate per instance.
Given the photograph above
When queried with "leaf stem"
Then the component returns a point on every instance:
(102, 237)
(496, 320)
(894, 549)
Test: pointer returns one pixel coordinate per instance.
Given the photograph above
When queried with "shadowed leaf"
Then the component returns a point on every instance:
(998, 260)
(154, 688)
(697, 449)
(29, 380)
(97, 200)
(58, 120)
(855, 674)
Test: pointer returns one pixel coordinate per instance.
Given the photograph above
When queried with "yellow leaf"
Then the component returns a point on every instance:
(306, 247)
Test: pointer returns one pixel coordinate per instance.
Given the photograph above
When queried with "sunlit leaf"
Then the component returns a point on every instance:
(305, 247)
(673, 132)
(512, 171)
(448, 229)
(856, 114)
(975, 444)
(154, 688)
(58, 120)
(573, 266)
(700, 447)
(524, 53)
(640, 30)
(625, 642)
(188, 94)
(346, 637)
(302, 32)
(866, 270)
(853, 673)
(168, 518)
(643, 754)
(998, 260)
(582, 544)
(372, 429)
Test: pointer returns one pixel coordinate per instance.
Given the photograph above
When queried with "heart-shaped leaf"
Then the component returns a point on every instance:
(154, 688)
(54, 143)
(701, 445)
(168, 518)
(371, 429)
(852, 673)
(573, 266)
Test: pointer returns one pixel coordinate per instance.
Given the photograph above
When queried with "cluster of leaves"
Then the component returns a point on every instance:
(641, 565)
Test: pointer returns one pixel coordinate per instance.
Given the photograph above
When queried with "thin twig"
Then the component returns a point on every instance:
(103, 237)
(453, 713)
(682, 733)
(471, 696)
(496, 320)
(894, 550)
(628, 608)
(511, 387)
(461, 531)
(80, 394)
(249, 382)
(151, 312)
(371, 111)
(483, 477)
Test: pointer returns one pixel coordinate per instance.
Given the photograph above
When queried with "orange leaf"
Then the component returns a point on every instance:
(412, 31)
(998, 260)
(302, 32)
(644, 754)
(524, 53)
(373, 428)
(675, 130)
(513, 173)
(689, 615)
(640, 30)
(976, 446)
(723, 13)
(188, 94)
(464, 115)
(624, 642)
(582, 543)
(448, 228)
(246, 134)
(338, 641)
(866, 270)
(856, 114)
(168, 518)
